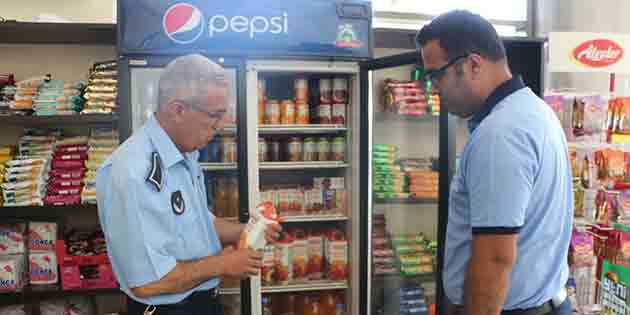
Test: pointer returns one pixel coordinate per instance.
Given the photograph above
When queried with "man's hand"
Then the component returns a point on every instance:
(240, 263)
(272, 233)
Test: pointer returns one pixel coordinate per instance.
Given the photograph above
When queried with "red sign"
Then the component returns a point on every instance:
(598, 53)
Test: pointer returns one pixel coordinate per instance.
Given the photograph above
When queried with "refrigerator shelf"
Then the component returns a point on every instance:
(389, 116)
(300, 129)
(227, 130)
(230, 291)
(406, 201)
(310, 286)
(397, 276)
(301, 165)
(314, 218)
(218, 166)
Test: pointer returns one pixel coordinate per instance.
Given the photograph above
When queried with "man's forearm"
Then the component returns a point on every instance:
(228, 232)
(185, 276)
(487, 280)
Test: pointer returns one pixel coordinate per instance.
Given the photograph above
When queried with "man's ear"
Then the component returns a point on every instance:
(176, 109)
(476, 61)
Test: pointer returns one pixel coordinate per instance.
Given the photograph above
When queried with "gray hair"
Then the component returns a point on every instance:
(188, 78)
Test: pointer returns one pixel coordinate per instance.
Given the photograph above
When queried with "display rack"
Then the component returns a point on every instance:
(313, 218)
(300, 129)
(311, 286)
(302, 165)
(65, 121)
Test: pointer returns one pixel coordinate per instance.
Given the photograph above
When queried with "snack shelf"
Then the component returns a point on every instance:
(397, 276)
(301, 165)
(389, 116)
(300, 129)
(218, 166)
(34, 293)
(406, 201)
(62, 120)
(50, 211)
(309, 286)
(314, 218)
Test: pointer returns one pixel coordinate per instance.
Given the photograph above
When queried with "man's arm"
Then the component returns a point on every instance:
(488, 275)
(189, 274)
(228, 232)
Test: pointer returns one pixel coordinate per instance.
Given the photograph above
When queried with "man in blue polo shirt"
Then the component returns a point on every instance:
(511, 203)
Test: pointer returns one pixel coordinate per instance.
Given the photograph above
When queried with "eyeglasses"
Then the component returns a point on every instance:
(215, 115)
(436, 74)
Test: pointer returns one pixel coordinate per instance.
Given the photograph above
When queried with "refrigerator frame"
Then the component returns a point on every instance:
(446, 163)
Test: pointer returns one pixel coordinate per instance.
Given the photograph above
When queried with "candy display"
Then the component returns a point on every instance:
(101, 144)
(7, 93)
(58, 98)
(583, 116)
(68, 158)
(408, 300)
(101, 91)
(414, 253)
(409, 98)
(383, 259)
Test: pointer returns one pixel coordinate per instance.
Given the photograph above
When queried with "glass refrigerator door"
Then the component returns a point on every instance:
(404, 163)
(218, 159)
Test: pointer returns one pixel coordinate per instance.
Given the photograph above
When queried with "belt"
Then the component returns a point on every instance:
(545, 308)
(201, 297)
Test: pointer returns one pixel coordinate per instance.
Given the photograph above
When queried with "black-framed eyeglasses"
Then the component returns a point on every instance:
(435, 75)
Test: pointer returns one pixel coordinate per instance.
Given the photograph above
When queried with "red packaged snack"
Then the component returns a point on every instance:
(70, 156)
(64, 191)
(65, 183)
(315, 255)
(74, 164)
(62, 200)
(299, 255)
(71, 149)
(67, 173)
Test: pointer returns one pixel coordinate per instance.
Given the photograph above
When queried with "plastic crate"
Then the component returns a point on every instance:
(70, 271)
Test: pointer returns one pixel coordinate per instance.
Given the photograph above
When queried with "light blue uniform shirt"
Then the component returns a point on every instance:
(514, 177)
(145, 236)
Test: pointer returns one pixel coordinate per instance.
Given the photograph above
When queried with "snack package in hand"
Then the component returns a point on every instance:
(253, 235)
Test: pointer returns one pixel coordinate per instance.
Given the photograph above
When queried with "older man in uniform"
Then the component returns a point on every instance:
(511, 209)
(166, 248)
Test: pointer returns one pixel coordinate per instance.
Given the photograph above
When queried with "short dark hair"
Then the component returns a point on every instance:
(460, 32)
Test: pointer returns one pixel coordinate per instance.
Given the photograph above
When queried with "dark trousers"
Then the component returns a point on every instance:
(206, 306)
(563, 309)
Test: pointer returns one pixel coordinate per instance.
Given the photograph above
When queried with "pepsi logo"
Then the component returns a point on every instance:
(183, 23)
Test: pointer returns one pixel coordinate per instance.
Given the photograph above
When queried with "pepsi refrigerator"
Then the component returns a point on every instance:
(311, 133)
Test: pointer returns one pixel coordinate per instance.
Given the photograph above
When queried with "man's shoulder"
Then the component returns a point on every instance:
(131, 160)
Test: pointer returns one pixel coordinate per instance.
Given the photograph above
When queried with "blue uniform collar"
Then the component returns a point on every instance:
(164, 146)
(502, 91)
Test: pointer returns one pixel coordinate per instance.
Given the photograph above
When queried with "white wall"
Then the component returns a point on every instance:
(84, 11)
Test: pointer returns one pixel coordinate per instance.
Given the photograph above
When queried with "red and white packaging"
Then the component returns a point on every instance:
(260, 218)
(325, 91)
(340, 90)
(12, 239)
(42, 236)
(12, 272)
(43, 268)
(283, 267)
(299, 255)
(267, 272)
(315, 267)
(336, 253)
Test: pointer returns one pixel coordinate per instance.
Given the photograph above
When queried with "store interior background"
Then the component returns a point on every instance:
(69, 62)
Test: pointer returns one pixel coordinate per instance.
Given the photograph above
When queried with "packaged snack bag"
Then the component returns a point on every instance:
(299, 255)
(336, 253)
(43, 268)
(283, 267)
(253, 235)
(42, 236)
(12, 238)
(315, 255)
(12, 272)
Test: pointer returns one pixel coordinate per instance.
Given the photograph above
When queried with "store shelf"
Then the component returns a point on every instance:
(33, 293)
(406, 201)
(12, 32)
(41, 211)
(300, 129)
(227, 130)
(427, 277)
(314, 218)
(218, 166)
(310, 286)
(388, 116)
(59, 121)
(230, 291)
(301, 165)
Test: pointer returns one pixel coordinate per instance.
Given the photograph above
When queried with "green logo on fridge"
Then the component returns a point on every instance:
(347, 38)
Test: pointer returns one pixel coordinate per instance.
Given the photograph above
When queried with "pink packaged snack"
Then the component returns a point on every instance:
(12, 272)
(383, 253)
(12, 238)
(67, 173)
(56, 164)
(43, 268)
(42, 236)
(581, 249)
(62, 200)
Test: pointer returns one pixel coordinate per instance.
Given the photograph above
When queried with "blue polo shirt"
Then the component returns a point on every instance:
(149, 230)
(514, 177)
